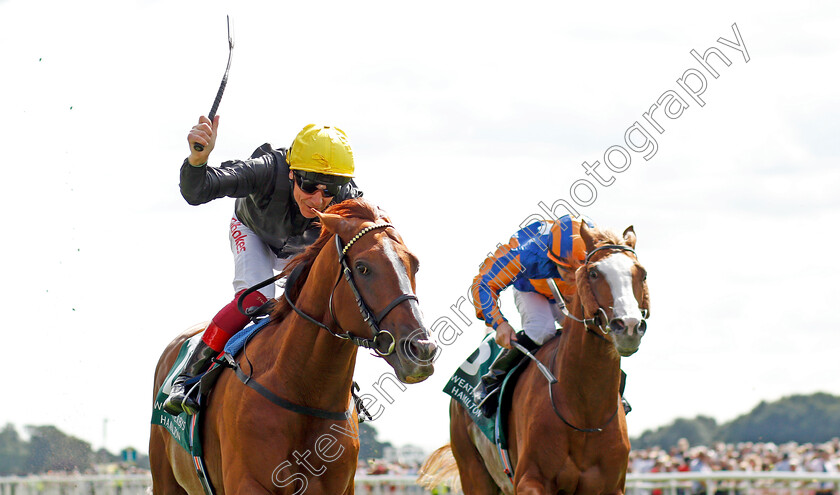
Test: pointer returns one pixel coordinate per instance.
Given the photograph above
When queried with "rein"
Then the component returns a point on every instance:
(557, 411)
(373, 322)
(598, 321)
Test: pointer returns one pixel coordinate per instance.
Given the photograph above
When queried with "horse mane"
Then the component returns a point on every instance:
(352, 208)
(603, 237)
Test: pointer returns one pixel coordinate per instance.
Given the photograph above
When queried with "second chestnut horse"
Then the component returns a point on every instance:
(568, 437)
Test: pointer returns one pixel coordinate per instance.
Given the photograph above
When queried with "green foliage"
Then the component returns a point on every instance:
(13, 452)
(102, 456)
(369, 446)
(52, 450)
(798, 418)
(49, 449)
(698, 431)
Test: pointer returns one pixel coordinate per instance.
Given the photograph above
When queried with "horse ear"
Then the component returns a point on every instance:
(334, 223)
(587, 237)
(383, 214)
(630, 237)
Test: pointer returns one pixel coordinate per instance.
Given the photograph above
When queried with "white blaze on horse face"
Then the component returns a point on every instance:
(617, 269)
(400, 270)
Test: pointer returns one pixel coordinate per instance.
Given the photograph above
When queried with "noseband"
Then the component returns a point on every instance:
(596, 322)
(599, 320)
(373, 321)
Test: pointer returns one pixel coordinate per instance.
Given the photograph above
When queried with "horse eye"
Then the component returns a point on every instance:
(593, 274)
(361, 268)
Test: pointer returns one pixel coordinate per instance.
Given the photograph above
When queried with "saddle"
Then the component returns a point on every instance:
(462, 383)
(183, 426)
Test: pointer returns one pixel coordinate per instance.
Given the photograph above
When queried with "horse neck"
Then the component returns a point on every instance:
(311, 365)
(588, 368)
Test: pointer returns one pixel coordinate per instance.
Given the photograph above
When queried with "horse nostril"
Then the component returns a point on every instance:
(420, 351)
(617, 325)
(642, 327)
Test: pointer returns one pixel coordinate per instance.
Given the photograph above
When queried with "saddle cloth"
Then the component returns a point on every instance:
(460, 387)
(183, 427)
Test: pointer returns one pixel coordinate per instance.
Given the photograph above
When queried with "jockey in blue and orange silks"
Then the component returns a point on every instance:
(533, 255)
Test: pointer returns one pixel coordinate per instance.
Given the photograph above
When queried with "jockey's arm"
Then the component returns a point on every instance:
(497, 272)
(235, 179)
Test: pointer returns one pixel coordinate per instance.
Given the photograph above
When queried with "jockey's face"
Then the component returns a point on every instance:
(306, 202)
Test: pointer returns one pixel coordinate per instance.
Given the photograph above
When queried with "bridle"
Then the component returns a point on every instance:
(599, 321)
(373, 320)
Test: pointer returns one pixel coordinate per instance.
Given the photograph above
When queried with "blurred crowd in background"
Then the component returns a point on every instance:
(746, 456)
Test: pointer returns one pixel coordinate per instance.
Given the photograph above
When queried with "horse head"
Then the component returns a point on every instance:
(373, 297)
(613, 288)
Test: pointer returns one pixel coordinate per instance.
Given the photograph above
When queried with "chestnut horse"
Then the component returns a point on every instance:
(251, 445)
(568, 437)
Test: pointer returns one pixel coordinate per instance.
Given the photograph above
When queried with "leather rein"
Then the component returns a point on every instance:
(373, 321)
(599, 321)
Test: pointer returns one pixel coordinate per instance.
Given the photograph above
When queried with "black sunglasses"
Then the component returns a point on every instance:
(309, 186)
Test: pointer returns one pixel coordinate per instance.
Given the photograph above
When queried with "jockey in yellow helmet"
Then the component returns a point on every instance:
(276, 191)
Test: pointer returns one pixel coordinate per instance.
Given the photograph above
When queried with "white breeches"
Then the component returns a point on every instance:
(253, 259)
(540, 318)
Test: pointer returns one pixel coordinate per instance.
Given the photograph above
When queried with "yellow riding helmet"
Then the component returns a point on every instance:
(323, 150)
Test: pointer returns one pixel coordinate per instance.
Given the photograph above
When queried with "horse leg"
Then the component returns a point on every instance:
(531, 487)
(163, 477)
(248, 486)
(475, 479)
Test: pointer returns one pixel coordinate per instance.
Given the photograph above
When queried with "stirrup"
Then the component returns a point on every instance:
(485, 397)
(177, 405)
(489, 403)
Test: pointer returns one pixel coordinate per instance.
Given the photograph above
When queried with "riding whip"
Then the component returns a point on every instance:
(543, 369)
(197, 146)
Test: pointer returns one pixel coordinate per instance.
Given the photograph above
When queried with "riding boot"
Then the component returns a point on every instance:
(178, 400)
(486, 394)
(227, 322)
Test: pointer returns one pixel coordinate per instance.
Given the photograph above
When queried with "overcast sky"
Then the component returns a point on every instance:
(463, 118)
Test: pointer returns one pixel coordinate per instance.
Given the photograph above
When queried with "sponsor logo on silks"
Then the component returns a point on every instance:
(237, 235)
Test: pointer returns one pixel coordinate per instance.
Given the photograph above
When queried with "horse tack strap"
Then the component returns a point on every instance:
(570, 425)
(382, 314)
(279, 401)
(362, 232)
(587, 322)
(371, 320)
(619, 247)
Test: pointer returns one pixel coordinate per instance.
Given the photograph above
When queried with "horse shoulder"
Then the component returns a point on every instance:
(530, 425)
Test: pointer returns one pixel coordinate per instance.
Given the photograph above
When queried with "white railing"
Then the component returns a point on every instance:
(104, 484)
(733, 483)
(711, 483)
(140, 485)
